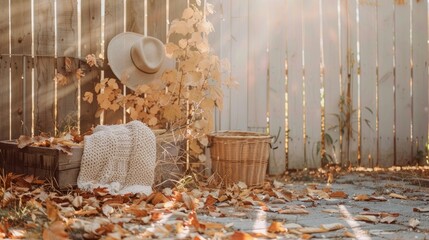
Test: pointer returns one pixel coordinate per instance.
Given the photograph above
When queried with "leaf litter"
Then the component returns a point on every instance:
(32, 208)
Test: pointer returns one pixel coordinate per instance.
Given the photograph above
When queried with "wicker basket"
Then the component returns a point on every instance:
(240, 156)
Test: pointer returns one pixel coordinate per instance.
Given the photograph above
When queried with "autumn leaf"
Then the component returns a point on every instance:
(91, 60)
(294, 210)
(180, 27)
(52, 211)
(241, 236)
(61, 79)
(88, 97)
(312, 230)
(24, 141)
(56, 231)
(388, 219)
(112, 83)
(276, 227)
(421, 209)
(7, 198)
(332, 226)
(156, 198)
(338, 194)
(79, 74)
(398, 196)
(187, 13)
(366, 218)
(413, 222)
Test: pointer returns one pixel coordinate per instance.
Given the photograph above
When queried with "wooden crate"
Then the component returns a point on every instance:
(51, 163)
(43, 162)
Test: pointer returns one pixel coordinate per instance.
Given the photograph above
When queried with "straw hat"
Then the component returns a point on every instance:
(137, 59)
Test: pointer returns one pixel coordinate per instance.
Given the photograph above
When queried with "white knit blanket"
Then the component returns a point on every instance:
(120, 158)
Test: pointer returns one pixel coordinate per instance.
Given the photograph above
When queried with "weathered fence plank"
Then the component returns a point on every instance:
(67, 50)
(90, 44)
(220, 40)
(294, 30)
(331, 73)
(157, 19)
(277, 85)
(135, 16)
(385, 80)
(368, 81)
(420, 78)
(257, 66)
(312, 57)
(113, 25)
(44, 67)
(4, 70)
(4, 97)
(402, 84)
(344, 83)
(351, 140)
(239, 67)
(20, 45)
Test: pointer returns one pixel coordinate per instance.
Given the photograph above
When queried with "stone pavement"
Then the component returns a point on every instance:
(344, 211)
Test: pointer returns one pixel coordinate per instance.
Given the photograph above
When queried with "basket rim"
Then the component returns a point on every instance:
(239, 134)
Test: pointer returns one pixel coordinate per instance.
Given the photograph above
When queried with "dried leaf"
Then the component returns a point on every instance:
(210, 200)
(52, 211)
(188, 200)
(7, 198)
(361, 197)
(188, 13)
(366, 218)
(421, 209)
(79, 74)
(388, 219)
(293, 211)
(56, 231)
(91, 60)
(241, 236)
(88, 97)
(77, 201)
(349, 234)
(314, 193)
(413, 222)
(156, 198)
(24, 141)
(107, 210)
(276, 227)
(338, 194)
(331, 210)
(332, 226)
(242, 185)
(312, 230)
(61, 79)
(398, 196)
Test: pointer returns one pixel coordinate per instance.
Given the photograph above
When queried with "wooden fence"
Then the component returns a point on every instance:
(351, 72)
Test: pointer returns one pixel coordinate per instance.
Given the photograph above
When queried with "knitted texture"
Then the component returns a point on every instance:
(120, 158)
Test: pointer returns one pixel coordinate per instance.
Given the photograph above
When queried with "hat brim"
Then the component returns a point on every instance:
(119, 58)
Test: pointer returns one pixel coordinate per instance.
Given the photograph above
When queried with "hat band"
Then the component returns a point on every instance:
(143, 68)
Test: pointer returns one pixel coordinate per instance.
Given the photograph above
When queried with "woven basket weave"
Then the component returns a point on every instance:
(240, 156)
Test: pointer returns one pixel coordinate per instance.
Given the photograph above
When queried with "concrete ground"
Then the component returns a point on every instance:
(405, 203)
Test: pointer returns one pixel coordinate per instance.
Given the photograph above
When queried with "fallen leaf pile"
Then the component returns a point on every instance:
(64, 144)
(32, 208)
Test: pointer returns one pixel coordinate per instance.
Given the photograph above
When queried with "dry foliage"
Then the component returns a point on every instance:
(185, 98)
(32, 209)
